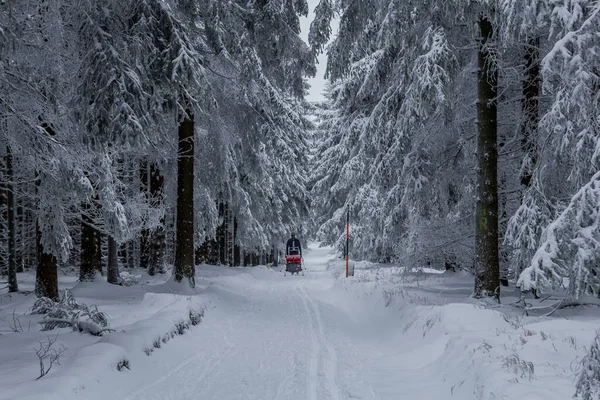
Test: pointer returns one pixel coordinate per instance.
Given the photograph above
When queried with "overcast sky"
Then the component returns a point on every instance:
(318, 82)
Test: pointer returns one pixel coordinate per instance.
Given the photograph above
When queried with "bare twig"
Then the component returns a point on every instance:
(16, 326)
(48, 355)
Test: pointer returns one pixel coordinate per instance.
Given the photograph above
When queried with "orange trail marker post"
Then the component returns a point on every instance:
(347, 237)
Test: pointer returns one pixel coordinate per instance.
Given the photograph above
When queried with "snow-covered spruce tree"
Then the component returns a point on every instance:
(37, 130)
(264, 166)
(394, 70)
(570, 247)
(568, 145)
(116, 224)
(111, 105)
(527, 23)
(157, 55)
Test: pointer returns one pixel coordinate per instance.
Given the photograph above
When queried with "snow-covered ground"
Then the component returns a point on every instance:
(383, 334)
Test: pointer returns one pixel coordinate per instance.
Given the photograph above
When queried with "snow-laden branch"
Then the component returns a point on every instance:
(570, 247)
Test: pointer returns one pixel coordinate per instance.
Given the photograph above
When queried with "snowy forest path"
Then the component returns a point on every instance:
(265, 336)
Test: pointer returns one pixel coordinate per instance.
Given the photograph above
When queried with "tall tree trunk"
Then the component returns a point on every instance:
(3, 218)
(223, 234)
(123, 254)
(157, 237)
(184, 250)
(531, 108)
(20, 222)
(13, 285)
(144, 236)
(112, 269)
(131, 254)
(236, 247)
(89, 247)
(98, 259)
(46, 275)
(486, 232)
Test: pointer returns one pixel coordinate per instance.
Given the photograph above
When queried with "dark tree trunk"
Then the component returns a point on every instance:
(112, 269)
(236, 248)
(89, 247)
(144, 236)
(98, 259)
(221, 234)
(123, 253)
(530, 108)
(4, 217)
(131, 254)
(13, 285)
(486, 234)
(184, 250)
(46, 275)
(157, 237)
(20, 222)
(201, 253)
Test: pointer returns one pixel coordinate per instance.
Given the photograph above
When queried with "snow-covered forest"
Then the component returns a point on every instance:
(149, 144)
(465, 134)
(145, 133)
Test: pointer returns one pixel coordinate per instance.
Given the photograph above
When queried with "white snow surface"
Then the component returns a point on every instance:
(386, 333)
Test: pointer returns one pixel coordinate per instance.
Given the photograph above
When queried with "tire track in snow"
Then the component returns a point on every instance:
(320, 341)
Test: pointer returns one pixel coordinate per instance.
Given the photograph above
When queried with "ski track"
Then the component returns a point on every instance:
(319, 341)
(293, 357)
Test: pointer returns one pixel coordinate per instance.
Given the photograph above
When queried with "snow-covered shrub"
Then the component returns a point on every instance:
(67, 312)
(522, 368)
(196, 316)
(43, 305)
(588, 382)
(181, 327)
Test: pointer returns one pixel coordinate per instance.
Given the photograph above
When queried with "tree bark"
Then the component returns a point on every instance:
(531, 108)
(13, 285)
(112, 269)
(486, 232)
(157, 237)
(144, 236)
(222, 234)
(184, 250)
(131, 254)
(98, 259)
(46, 275)
(3, 216)
(89, 247)
(20, 222)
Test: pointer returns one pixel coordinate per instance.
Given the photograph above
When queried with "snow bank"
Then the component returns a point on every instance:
(143, 319)
(432, 329)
